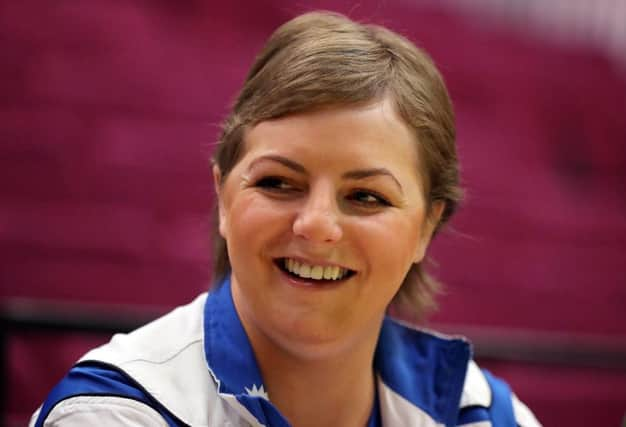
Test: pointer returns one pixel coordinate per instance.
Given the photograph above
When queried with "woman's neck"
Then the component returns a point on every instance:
(313, 379)
(338, 390)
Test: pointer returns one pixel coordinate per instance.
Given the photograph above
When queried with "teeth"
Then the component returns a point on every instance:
(316, 272)
(305, 271)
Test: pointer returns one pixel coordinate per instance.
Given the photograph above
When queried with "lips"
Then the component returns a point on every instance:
(315, 272)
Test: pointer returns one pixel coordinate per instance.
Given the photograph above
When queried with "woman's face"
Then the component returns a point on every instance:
(323, 216)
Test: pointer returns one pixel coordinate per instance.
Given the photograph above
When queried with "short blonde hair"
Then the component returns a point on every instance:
(323, 59)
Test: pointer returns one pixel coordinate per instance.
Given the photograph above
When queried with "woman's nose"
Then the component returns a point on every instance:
(318, 218)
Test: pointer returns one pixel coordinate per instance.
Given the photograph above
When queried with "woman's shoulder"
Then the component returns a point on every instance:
(149, 366)
(158, 340)
(445, 381)
(93, 394)
(488, 398)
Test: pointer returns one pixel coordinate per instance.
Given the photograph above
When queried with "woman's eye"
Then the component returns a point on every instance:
(274, 183)
(369, 199)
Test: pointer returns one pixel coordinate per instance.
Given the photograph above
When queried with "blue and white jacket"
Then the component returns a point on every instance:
(195, 367)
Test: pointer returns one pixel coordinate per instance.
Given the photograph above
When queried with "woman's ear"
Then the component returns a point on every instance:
(217, 185)
(430, 224)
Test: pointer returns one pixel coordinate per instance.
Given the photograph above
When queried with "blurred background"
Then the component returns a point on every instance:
(109, 111)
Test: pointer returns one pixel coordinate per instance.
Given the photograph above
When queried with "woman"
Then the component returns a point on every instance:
(335, 168)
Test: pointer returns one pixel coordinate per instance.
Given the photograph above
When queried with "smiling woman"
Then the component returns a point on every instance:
(335, 168)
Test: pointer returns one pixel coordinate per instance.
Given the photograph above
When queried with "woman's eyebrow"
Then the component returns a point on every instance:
(367, 173)
(353, 174)
(297, 167)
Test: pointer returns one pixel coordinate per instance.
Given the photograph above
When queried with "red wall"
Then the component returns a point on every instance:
(108, 113)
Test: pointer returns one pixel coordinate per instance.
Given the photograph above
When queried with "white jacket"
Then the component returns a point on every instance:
(195, 367)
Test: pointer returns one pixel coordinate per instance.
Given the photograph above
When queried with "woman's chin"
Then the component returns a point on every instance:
(315, 336)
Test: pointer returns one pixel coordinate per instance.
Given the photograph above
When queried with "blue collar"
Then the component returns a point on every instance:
(427, 370)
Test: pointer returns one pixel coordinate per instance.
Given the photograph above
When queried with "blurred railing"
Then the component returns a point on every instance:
(512, 345)
(542, 347)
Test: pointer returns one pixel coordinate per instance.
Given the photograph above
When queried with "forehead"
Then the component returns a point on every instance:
(373, 135)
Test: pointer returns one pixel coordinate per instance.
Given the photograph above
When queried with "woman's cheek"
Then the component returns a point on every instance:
(391, 239)
(256, 215)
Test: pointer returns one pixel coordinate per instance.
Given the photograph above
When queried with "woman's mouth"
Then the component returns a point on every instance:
(312, 272)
